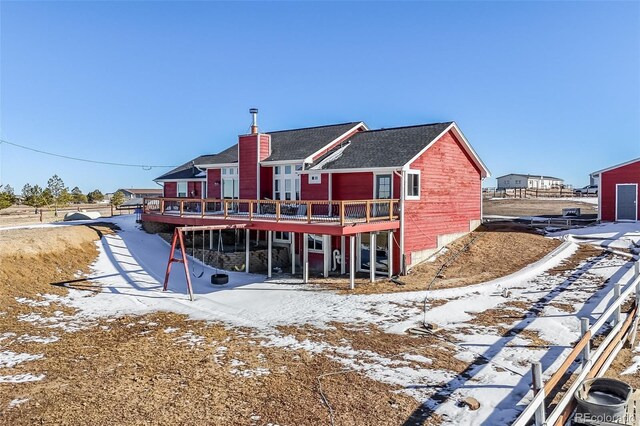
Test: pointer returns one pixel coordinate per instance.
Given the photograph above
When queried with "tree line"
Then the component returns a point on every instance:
(55, 194)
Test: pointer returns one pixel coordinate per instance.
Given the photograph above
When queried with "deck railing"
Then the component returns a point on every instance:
(315, 211)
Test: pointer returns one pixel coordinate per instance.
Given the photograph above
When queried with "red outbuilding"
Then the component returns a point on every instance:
(336, 197)
(618, 192)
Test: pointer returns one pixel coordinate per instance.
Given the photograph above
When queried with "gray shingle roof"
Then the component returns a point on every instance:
(392, 147)
(298, 144)
(286, 145)
(187, 170)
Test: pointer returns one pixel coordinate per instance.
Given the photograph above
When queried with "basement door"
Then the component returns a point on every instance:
(627, 201)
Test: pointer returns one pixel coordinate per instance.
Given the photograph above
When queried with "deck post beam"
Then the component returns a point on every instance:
(390, 254)
(269, 253)
(246, 247)
(343, 255)
(326, 254)
(373, 251)
(211, 239)
(293, 253)
(352, 262)
(305, 258)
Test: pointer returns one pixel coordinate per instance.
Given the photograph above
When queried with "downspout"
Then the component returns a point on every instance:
(403, 263)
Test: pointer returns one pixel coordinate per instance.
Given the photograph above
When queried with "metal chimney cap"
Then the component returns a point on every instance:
(253, 110)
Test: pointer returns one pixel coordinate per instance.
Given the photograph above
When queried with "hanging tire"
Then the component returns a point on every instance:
(219, 279)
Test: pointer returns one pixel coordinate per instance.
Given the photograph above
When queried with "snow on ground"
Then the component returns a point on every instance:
(131, 266)
(611, 235)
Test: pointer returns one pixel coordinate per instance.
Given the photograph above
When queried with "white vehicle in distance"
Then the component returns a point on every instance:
(587, 190)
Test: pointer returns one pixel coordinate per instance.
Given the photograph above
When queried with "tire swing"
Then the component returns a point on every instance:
(218, 278)
(193, 252)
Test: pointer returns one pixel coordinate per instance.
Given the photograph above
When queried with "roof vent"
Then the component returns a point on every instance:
(254, 120)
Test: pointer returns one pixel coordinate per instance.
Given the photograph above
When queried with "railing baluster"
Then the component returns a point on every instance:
(278, 211)
(225, 209)
(308, 211)
(250, 209)
(368, 211)
(390, 209)
(342, 214)
(181, 207)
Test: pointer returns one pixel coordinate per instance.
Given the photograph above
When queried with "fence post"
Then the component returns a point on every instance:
(616, 299)
(536, 374)
(584, 328)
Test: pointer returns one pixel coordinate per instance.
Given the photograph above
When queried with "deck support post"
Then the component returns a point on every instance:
(390, 254)
(343, 255)
(269, 254)
(352, 262)
(211, 239)
(305, 258)
(293, 253)
(246, 247)
(326, 255)
(373, 254)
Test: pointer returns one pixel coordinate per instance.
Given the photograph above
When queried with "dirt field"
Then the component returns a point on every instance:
(490, 252)
(533, 206)
(24, 215)
(159, 368)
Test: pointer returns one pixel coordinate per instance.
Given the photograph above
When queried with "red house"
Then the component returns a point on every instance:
(330, 194)
(618, 192)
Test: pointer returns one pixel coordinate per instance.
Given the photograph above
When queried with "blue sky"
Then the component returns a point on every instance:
(541, 87)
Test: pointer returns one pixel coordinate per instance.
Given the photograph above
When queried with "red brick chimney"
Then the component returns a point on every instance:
(252, 149)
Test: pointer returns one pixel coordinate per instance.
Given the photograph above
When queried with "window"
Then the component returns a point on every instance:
(286, 183)
(315, 179)
(281, 237)
(413, 186)
(314, 242)
(182, 189)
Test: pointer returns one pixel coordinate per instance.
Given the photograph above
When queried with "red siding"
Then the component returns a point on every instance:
(194, 189)
(608, 180)
(450, 195)
(314, 191)
(353, 186)
(214, 184)
(170, 189)
(247, 166)
(266, 182)
(265, 147)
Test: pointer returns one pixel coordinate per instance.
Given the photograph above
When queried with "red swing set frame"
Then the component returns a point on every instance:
(178, 238)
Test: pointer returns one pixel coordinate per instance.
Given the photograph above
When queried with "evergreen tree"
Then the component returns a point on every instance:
(77, 196)
(117, 199)
(95, 196)
(56, 188)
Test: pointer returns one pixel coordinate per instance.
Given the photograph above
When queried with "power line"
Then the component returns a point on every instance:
(108, 163)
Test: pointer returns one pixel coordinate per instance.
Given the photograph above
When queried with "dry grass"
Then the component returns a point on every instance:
(496, 251)
(131, 371)
(533, 207)
(25, 215)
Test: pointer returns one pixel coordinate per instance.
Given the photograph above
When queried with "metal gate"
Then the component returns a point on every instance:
(626, 202)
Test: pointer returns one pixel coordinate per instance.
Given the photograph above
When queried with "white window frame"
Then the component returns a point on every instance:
(186, 189)
(281, 240)
(315, 179)
(408, 196)
(373, 196)
(281, 176)
(318, 238)
(230, 174)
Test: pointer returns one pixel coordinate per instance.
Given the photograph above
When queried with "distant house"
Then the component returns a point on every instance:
(516, 181)
(141, 193)
(618, 192)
